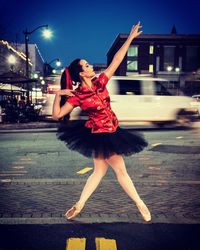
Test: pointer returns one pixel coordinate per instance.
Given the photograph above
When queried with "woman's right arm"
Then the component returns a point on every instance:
(57, 111)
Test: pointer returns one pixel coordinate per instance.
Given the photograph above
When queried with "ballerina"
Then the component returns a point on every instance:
(100, 137)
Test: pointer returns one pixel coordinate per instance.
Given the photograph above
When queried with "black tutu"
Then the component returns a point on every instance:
(79, 138)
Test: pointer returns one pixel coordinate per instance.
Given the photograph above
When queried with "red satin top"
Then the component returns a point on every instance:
(95, 102)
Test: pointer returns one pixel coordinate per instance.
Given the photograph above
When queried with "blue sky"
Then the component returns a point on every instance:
(87, 29)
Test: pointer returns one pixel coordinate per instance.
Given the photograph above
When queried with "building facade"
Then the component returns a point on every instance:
(34, 56)
(12, 59)
(13, 70)
(36, 62)
(172, 56)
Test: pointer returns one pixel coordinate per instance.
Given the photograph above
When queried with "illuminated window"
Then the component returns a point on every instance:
(151, 49)
(132, 65)
(151, 68)
(132, 51)
(132, 58)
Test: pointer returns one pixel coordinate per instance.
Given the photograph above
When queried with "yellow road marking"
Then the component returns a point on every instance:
(76, 244)
(105, 244)
(84, 170)
(156, 144)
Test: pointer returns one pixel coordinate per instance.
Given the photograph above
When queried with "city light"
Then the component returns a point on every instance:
(169, 68)
(35, 75)
(11, 59)
(58, 63)
(36, 89)
(47, 33)
(177, 69)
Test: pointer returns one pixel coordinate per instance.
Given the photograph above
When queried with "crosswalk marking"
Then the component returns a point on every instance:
(84, 170)
(76, 244)
(105, 244)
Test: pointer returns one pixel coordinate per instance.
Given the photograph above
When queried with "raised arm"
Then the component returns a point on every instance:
(57, 111)
(119, 56)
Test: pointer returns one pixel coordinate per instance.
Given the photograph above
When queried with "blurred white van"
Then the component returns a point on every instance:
(145, 99)
(141, 99)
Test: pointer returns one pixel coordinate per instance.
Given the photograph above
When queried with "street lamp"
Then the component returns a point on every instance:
(26, 35)
(48, 69)
(11, 59)
(57, 60)
(169, 68)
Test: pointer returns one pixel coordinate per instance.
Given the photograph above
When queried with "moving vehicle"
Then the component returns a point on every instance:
(144, 99)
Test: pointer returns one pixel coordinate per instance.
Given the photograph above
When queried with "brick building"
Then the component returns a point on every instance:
(172, 56)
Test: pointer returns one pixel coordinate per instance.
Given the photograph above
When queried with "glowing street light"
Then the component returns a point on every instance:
(57, 60)
(35, 75)
(169, 68)
(58, 63)
(48, 69)
(11, 59)
(47, 33)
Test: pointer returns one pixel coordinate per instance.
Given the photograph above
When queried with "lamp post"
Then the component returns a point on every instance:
(48, 68)
(57, 60)
(26, 36)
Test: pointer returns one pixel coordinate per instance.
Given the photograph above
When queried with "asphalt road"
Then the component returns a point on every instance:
(127, 236)
(40, 178)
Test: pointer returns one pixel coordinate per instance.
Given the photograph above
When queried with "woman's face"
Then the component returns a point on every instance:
(87, 69)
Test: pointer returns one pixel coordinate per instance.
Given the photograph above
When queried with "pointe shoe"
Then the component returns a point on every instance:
(74, 211)
(144, 210)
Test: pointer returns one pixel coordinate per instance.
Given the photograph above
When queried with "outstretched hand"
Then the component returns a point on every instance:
(135, 30)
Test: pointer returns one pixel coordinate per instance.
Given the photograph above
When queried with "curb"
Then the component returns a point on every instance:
(40, 218)
(28, 130)
(49, 128)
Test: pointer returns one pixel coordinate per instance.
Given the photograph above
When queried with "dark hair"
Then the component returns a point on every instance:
(74, 69)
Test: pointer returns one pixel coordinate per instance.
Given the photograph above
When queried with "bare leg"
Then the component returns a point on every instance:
(100, 169)
(118, 165)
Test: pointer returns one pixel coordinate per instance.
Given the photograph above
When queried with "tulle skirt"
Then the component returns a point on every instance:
(79, 138)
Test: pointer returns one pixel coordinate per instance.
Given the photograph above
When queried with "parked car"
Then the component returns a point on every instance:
(136, 99)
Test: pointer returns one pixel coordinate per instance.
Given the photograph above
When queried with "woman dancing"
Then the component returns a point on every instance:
(100, 137)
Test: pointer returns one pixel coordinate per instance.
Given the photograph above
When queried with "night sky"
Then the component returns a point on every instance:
(87, 29)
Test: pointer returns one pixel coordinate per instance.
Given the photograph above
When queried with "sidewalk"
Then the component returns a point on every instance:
(44, 201)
